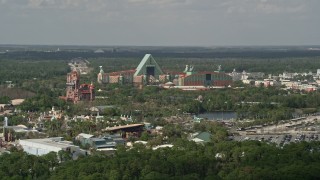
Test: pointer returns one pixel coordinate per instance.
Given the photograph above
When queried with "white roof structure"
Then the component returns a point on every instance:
(99, 51)
(22, 126)
(106, 149)
(141, 142)
(163, 146)
(44, 146)
(123, 127)
(169, 84)
(87, 136)
(197, 140)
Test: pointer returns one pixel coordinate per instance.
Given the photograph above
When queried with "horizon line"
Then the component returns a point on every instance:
(92, 45)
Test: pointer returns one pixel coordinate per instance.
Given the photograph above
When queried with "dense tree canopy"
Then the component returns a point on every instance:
(186, 160)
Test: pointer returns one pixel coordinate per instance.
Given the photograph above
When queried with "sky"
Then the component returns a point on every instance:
(160, 22)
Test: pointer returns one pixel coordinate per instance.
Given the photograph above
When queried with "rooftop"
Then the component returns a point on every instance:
(85, 135)
(56, 142)
(163, 146)
(123, 127)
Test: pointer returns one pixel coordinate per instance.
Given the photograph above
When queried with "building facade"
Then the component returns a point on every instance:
(41, 147)
(148, 72)
(78, 92)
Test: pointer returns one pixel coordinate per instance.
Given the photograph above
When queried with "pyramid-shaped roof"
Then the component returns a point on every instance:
(147, 61)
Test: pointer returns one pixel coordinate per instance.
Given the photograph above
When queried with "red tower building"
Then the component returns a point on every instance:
(76, 92)
(86, 92)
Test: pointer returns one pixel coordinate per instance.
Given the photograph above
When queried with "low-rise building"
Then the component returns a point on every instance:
(126, 131)
(105, 142)
(201, 137)
(100, 143)
(44, 146)
(83, 138)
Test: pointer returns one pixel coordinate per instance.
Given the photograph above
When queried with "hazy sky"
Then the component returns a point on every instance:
(160, 22)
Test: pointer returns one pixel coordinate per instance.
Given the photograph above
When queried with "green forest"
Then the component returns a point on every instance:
(40, 78)
(186, 160)
(30, 65)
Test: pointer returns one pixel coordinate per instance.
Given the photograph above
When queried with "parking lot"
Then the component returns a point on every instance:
(291, 131)
(280, 140)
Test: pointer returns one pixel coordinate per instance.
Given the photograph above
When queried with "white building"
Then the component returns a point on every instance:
(44, 146)
(252, 75)
(235, 75)
(286, 75)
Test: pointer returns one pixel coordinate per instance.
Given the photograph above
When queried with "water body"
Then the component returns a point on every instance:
(219, 115)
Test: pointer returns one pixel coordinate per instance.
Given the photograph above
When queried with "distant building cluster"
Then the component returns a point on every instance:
(149, 72)
(80, 65)
(296, 81)
(78, 92)
(236, 76)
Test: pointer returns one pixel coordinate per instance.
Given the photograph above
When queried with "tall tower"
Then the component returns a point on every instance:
(72, 92)
(102, 76)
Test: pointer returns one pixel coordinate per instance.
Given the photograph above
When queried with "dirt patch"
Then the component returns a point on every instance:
(15, 93)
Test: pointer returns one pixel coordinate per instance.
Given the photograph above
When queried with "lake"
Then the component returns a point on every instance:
(219, 115)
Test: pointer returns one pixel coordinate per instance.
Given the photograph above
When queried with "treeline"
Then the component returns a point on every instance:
(208, 101)
(20, 165)
(19, 71)
(228, 160)
(192, 52)
(23, 65)
(250, 103)
(268, 65)
(271, 103)
(42, 102)
(186, 160)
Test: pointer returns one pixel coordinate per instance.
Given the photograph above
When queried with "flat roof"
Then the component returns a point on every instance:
(50, 142)
(123, 127)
